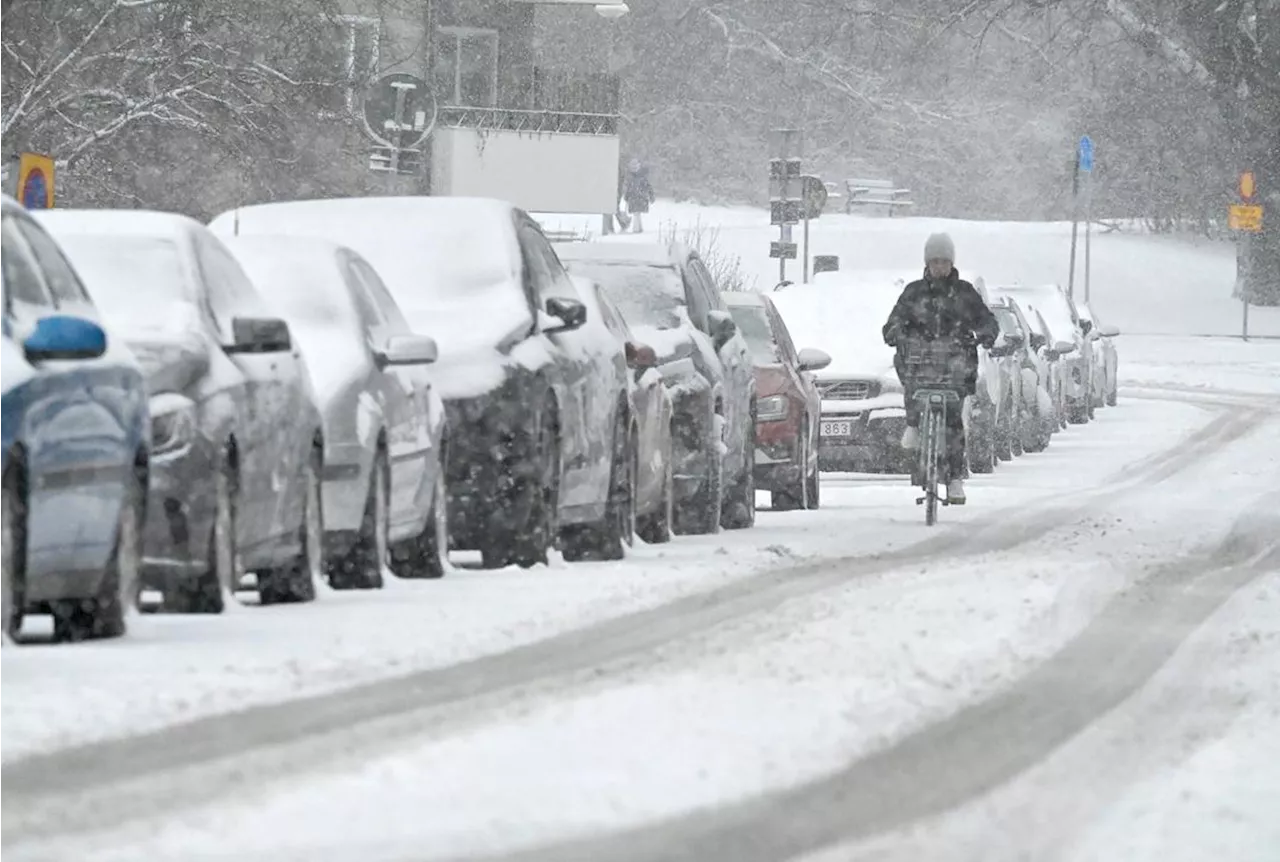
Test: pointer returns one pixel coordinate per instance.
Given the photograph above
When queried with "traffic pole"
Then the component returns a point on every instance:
(1088, 230)
(1075, 223)
(806, 246)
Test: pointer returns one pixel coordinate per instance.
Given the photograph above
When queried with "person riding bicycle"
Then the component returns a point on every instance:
(942, 307)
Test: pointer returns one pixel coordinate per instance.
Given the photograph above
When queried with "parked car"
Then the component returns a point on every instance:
(1060, 313)
(76, 446)
(1051, 350)
(1037, 419)
(384, 426)
(651, 411)
(788, 406)
(238, 449)
(528, 398)
(1106, 367)
(671, 300)
(863, 413)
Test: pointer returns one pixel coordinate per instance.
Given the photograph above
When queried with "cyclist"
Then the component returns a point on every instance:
(942, 307)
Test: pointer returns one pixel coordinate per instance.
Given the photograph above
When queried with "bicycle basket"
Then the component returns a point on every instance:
(939, 364)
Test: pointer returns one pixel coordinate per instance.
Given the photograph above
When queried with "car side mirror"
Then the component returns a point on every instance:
(812, 359)
(61, 336)
(571, 312)
(1062, 348)
(259, 335)
(410, 349)
(1108, 331)
(640, 356)
(722, 327)
(1038, 341)
(1086, 326)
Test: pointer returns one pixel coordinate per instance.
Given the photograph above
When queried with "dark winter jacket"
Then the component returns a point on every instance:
(949, 308)
(637, 191)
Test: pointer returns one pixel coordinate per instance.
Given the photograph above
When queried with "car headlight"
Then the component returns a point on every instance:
(173, 423)
(773, 408)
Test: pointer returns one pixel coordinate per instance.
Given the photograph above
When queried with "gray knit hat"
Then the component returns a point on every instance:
(939, 247)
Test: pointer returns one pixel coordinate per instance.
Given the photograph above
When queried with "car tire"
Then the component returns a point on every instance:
(982, 449)
(740, 511)
(1078, 412)
(103, 615)
(700, 513)
(530, 543)
(608, 538)
(814, 479)
(13, 549)
(211, 590)
(1112, 397)
(361, 567)
(295, 582)
(796, 494)
(426, 556)
(1002, 439)
(655, 527)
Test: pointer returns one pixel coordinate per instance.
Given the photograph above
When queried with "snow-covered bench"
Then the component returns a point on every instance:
(878, 193)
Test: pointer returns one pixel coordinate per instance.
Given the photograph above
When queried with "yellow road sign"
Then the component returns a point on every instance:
(1245, 217)
(1247, 185)
(35, 181)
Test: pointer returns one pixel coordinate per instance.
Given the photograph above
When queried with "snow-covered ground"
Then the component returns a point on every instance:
(827, 639)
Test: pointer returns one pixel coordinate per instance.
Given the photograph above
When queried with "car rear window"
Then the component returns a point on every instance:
(753, 322)
(646, 295)
(129, 276)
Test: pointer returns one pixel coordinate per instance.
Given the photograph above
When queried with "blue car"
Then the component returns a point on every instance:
(77, 435)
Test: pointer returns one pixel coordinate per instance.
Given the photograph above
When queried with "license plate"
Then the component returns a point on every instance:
(837, 428)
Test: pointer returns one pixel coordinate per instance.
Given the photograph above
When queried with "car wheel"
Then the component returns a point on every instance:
(606, 540)
(796, 494)
(814, 480)
(427, 555)
(981, 448)
(361, 567)
(1078, 412)
(529, 543)
(13, 550)
(1003, 437)
(740, 511)
(655, 527)
(1112, 397)
(296, 581)
(210, 592)
(700, 513)
(103, 615)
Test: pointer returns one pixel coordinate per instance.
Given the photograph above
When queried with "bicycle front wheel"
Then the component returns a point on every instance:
(931, 448)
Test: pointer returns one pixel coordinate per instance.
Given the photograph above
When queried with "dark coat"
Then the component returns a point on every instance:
(949, 308)
(637, 191)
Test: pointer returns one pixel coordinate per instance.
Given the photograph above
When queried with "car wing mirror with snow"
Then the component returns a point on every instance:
(640, 356)
(722, 327)
(812, 359)
(1062, 348)
(1108, 331)
(259, 335)
(570, 313)
(407, 350)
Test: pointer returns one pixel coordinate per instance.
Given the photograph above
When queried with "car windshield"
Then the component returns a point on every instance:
(753, 323)
(646, 295)
(129, 276)
(307, 289)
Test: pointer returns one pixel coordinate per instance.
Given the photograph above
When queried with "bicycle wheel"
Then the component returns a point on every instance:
(931, 444)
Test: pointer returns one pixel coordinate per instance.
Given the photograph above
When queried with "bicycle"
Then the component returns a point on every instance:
(937, 375)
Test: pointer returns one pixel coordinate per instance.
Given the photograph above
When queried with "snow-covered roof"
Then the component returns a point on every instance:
(743, 298)
(652, 254)
(115, 221)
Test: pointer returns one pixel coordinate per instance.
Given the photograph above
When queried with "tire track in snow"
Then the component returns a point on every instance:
(104, 784)
(979, 748)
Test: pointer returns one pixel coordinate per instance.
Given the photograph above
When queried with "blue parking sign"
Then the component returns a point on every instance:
(1086, 153)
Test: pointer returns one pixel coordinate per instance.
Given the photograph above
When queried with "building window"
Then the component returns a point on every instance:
(466, 67)
(360, 63)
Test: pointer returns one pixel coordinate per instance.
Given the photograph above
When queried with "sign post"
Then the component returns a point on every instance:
(1086, 165)
(34, 189)
(785, 194)
(1245, 218)
(1084, 162)
(814, 193)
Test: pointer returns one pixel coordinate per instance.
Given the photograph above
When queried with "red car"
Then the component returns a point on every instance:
(787, 403)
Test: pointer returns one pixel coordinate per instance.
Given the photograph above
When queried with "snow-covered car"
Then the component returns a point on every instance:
(384, 424)
(237, 445)
(1036, 416)
(863, 414)
(1064, 321)
(76, 446)
(1051, 351)
(650, 409)
(788, 406)
(1102, 336)
(672, 302)
(526, 393)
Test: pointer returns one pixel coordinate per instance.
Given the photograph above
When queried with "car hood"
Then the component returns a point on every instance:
(170, 362)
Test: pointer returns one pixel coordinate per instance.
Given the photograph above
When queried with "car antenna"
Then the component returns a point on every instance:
(235, 230)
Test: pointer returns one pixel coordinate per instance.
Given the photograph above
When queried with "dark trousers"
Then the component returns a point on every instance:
(957, 464)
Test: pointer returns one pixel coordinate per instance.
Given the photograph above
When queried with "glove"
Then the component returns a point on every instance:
(987, 341)
(891, 337)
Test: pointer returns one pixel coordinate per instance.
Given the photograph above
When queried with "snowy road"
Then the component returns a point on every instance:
(931, 670)
(1078, 665)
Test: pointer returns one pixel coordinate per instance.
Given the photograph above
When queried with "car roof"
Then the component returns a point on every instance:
(605, 251)
(745, 299)
(120, 222)
(407, 207)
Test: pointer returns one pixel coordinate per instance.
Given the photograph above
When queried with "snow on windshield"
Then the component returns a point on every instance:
(649, 295)
(753, 323)
(141, 282)
(306, 288)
